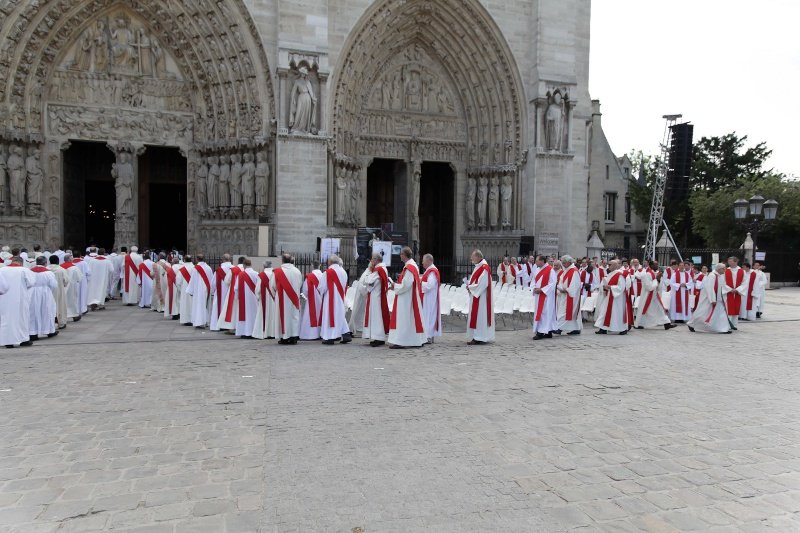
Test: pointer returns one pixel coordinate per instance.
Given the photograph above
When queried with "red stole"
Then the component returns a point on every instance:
(697, 281)
(39, 269)
(285, 290)
(235, 271)
(416, 295)
(170, 285)
(650, 296)
(610, 300)
(333, 283)
(244, 279)
(67, 265)
(571, 307)
(312, 284)
(220, 277)
(682, 294)
(750, 290)
(541, 297)
(384, 279)
(129, 266)
(734, 298)
(144, 270)
(202, 272)
(185, 273)
(587, 278)
(264, 277)
(435, 272)
(473, 318)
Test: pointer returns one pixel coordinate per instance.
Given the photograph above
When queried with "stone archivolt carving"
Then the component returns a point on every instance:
(102, 123)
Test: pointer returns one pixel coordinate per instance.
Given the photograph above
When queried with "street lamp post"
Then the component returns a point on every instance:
(762, 215)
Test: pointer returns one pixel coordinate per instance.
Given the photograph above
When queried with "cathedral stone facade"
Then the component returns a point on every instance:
(256, 126)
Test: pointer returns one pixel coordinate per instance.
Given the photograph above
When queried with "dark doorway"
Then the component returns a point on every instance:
(162, 198)
(89, 196)
(385, 204)
(436, 221)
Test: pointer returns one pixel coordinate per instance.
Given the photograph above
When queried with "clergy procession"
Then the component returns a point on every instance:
(41, 292)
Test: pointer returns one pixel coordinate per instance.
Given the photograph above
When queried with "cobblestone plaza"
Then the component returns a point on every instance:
(129, 422)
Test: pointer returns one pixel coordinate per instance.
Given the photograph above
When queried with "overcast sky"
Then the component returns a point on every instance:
(726, 65)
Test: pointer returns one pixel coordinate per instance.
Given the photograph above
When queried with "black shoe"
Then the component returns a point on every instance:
(680, 321)
(734, 328)
(375, 344)
(729, 331)
(576, 332)
(9, 345)
(26, 343)
(52, 334)
(691, 329)
(346, 338)
(623, 332)
(476, 343)
(176, 317)
(556, 331)
(601, 332)
(758, 315)
(540, 336)
(76, 318)
(283, 341)
(33, 338)
(639, 327)
(670, 326)
(292, 341)
(328, 342)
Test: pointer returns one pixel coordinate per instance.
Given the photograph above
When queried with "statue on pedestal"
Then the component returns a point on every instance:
(472, 192)
(248, 184)
(33, 180)
(494, 197)
(554, 122)
(303, 109)
(16, 178)
(262, 183)
(483, 193)
(236, 185)
(506, 192)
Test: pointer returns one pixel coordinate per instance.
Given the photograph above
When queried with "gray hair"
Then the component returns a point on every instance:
(267, 264)
(134, 249)
(67, 257)
(333, 258)
(377, 256)
(720, 266)
(478, 253)
(428, 257)
(568, 259)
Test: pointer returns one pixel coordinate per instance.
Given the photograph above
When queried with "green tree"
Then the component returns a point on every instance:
(722, 162)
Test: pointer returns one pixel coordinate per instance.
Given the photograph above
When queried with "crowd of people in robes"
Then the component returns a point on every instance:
(40, 292)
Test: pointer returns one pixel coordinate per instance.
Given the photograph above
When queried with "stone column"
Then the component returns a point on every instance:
(125, 172)
(414, 183)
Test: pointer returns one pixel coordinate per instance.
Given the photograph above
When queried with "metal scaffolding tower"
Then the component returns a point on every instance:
(657, 207)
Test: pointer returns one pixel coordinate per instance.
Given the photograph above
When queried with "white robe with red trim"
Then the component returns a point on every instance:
(145, 279)
(374, 326)
(73, 294)
(407, 328)
(263, 325)
(359, 308)
(680, 304)
(228, 317)
(83, 290)
(710, 315)
(287, 315)
(612, 304)
(247, 303)
(734, 292)
(220, 294)
(650, 311)
(544, 303)
(172, 307)
(431, 302)
(101, 268)
(309, 332)
(60, 293)
(129, 276)
(571, 283)
(181, 283)
(752, 294)
(334, 319)
(200, 293)
(480, 320)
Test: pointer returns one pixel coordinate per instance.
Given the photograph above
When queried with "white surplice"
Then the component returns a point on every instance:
(42, 303)
(710, 315)
(230, 308)
(145, 280)
(569, 302)
(15, 314)
(544, 303)
(431, 302)
(311, 304)
(246, 302)
(679, 304)
(100, 268)
(376, 306)
(406, 325)
(287, 301)
(650, 311)
(332, 287)
(220, 294)
(129, 273)
(612, 305)
(200, 289)
(73, 292)
(184, 276)
(358, 311)
(480, 321)
(83, 292)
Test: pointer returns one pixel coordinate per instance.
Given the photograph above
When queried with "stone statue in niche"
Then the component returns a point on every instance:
(100, 47)
(355, 197)
(248, 184)
(224, 183)
(34, 179)
(213, 183)
(123, 45)
(122, 172)
(201, 187)
(236, 184)
(262, 183)
(341, 194)
(483, 192)
(506, 193)
(16, 178)
(494, 197)
(470, 202)
(3, 175)
(554, 122)
(303, 107)
(83, 54)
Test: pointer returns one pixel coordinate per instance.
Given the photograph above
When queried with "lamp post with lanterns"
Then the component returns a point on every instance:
(755, 215)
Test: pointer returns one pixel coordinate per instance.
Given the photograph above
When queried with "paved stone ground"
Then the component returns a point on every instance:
(132, 423)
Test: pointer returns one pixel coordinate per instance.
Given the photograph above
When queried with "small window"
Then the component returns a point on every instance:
(608, 172)
(627, 209)
(611, 206)
(627, 172)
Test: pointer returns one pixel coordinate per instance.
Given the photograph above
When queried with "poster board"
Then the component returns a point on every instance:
(329, 247)
(385, 249)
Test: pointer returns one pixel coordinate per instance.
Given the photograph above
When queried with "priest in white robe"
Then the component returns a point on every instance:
(761, 292)
(220, 292)
(15, 314)
(359, 308)
(201, 290)
(544, 300)
(569, 298)
(60, 292)
(480, 320)
(749, 307)
(376, 313)
(73, 294)
(590, 278)
(145, 280)
(230, 305)
(83, 293)
(264, 326)
(406, 329)
(334, 320)
(650, 310)
(246, 301)
(734, 288)
(172, 295)
(113, 283)
(612, 306)
(159, 286)
(286, 283)
(506, 272)
(311, 306)
(129, 276)
(711, 315)
(681, 286)
(42, 302)
(100, 268)
(184, 277)
(431, 299)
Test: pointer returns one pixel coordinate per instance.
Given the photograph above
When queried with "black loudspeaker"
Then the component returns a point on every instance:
(680, 162)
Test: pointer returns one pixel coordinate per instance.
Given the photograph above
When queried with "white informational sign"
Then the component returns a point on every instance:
(697, 259)
(385, 249)
(761, 256)
(329, 247)
(548, 244)
(714, 259)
